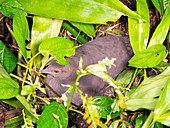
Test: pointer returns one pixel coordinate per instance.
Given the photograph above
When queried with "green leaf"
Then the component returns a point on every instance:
(164, 119)
(31, 116)
(7, 59)
(161, 31)
(21, 31)
(138, 30)
(86, 28)
(53, 116)
(151, 87)
(3, 72)
(24, 102)
(157, 125)
(163, 102)
(162, 64)
(13, 102)
(10, 7)
(115, 124)
(8, 88)
(28, 108)
(157, 4)
(27, 89)
(56, 27)
(125, 77)
(141, 103)
(58, 47)
(85, 11)
(41, 31)
(139, 120)
(102, 105)
(148, 58)
(1, 1)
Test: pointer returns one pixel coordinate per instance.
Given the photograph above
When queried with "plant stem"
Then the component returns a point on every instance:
(47, 84)
(162, 7)
(26, 72)
(21, 79)
(72, 92)
(74, 32)
(18, 66)
(133, 78)
(47, 102)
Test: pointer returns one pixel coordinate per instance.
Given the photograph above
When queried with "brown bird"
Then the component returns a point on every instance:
(115, 46)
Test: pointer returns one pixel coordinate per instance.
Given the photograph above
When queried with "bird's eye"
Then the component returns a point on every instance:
(56, 71)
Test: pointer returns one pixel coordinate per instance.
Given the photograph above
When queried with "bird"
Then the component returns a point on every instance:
(112, 46)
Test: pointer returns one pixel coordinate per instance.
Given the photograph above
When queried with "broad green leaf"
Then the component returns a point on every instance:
(115, 124)
(164, 101)
(151, 87)
(24, 102)
(27, 89)
(139, 120)
(58, 47)
(31, 116)
(3, 72)
(1, 1)
(21, 31)
(86, 28)
(162, 64)
(166, 3)
(13, 102)
(157, 4)
(125, 77)
(102, 105)
(28, 108)
(53, 116)
(141, 103)
(8, 88)
(157, 125)
(7, 59)
(138, 30)
(148, 58)
(164, 119)
(161, 31)
(41, 31)
(10, 7)
(56, 27)
(85, 11)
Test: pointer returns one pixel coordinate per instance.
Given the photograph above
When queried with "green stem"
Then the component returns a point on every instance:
(22, 65)
(20, 79)
(18, 66)
(33, 57)
(75, 111)
(26, 72)
(74, 32)
(47, 102)
(133, 78)
(72, 92)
